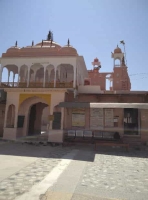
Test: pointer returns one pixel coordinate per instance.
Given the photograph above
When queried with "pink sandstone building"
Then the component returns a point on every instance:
(56, 94)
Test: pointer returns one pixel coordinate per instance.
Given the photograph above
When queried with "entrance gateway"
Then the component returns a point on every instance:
(31, 108)
(36, 119)
(38, 113)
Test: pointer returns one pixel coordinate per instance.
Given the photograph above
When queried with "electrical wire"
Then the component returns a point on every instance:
(138, 74)
(139, 78)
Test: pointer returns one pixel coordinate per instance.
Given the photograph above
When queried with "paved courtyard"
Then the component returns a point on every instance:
(34, 172)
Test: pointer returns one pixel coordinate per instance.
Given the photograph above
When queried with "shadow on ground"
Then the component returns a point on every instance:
(41, 151)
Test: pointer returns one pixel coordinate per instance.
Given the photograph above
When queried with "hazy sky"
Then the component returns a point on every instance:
(94, 28)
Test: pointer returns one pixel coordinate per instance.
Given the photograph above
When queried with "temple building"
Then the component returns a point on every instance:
(55, 94)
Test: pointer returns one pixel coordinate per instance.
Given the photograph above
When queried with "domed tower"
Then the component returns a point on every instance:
(96, 64)
(117, 55)
(121, 80)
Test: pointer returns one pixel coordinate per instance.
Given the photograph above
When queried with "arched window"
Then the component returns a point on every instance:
(108, 81)
(117, 62)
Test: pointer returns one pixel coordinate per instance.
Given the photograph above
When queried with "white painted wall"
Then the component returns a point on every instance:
(89, 89)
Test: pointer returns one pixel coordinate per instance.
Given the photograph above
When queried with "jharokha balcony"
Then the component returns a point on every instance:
(36, 85)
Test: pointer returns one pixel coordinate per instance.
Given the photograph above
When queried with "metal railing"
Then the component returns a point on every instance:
(35, 85)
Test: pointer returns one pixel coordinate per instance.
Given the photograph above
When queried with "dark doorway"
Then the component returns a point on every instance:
(57, 121)
(131, 121)
(32, 119)
(35, 118)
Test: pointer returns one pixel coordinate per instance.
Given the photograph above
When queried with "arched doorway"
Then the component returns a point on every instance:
(35, 118)
(31, 109)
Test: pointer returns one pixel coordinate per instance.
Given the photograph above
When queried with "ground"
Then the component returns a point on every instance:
(31, 172)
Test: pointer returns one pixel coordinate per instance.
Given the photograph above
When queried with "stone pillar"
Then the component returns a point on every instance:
(44, 76)
(8, 76)
(28, 78)
(74, 79)
(18, 75)
(13, 78)
(55, 69)
(5, 118)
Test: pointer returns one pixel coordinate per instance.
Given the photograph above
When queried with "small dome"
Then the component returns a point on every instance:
(48, 43)
(117, 50)
(12, 49)
(68, 50)
(96, 60)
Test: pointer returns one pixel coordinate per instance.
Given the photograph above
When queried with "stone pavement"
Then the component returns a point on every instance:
(114, 174)
(108, 173)
(26, 176)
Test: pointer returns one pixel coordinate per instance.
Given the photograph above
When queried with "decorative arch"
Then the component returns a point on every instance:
(32, 110)
(48, 77)
(46, 97)
(10, 116)
(8, 74)
(12, 67)
(39, 75)
(52, 75)
(65, 72)
(33, 70)
(4, 73)
(23, 73)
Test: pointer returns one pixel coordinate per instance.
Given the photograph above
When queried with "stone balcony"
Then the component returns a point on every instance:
(35, 85)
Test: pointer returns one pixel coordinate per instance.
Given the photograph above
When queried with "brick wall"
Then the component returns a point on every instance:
(112, 98)
(144, 125)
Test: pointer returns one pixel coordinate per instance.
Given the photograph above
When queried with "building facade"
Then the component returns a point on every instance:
(55, 92)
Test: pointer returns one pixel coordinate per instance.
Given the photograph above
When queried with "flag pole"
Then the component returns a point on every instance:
(125, 54)
(122, 42)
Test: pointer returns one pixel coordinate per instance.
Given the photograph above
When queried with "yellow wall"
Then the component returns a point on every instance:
(46, 97)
